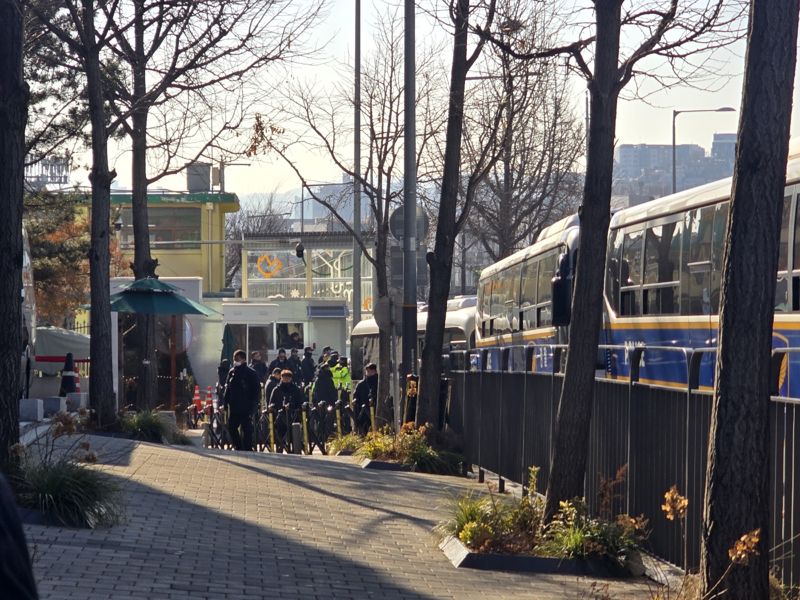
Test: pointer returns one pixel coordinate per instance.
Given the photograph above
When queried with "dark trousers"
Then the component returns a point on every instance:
(245, 421)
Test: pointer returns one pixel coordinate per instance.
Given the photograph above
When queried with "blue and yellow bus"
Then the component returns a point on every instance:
(662, 288)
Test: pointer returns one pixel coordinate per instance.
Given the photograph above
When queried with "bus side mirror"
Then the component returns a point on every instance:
(562, 301)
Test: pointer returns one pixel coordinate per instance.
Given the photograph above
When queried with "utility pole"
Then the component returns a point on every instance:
(357, 175)
(409, 200)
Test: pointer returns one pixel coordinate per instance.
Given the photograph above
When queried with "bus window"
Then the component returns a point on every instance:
(782, 286)
(547, 268)
(718, 243)
(696, 267)
(662, 252)
(612, 270)
(512, 301)
(485, 307)
(630, 273)
(528, 293)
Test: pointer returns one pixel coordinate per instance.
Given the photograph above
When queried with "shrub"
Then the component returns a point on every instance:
(148, 426)
(69, 493)
(347, 443)
(465, 509)
(379, 445)
(50, 477)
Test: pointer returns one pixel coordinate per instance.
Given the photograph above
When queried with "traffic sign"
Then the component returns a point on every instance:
(396, 223)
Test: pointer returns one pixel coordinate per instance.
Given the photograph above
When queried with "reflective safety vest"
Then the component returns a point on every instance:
(341, 377)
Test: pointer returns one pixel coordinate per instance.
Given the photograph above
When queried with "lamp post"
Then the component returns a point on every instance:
(675, 114)
(357, 174)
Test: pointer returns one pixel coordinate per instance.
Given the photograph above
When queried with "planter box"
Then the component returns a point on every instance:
(463, 557)
(31, 409)
(76, 400)
(382, 465)
(54, 405)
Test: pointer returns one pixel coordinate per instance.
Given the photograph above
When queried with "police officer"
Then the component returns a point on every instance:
(286, 392)
(242, 394)
(308, 367)
(279, 363)
(272, 382)
(294, 367)
(341, 375)
(366, 390)
(323, 389)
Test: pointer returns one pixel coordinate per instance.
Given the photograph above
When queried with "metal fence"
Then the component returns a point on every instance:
(507, 417)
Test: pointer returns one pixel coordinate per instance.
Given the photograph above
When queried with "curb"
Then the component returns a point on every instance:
(382, 465)
(462, 557)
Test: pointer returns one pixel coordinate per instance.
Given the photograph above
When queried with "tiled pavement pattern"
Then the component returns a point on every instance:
(221, 525)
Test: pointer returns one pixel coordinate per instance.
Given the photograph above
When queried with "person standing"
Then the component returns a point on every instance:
(274, 380)
(341, 375)
(242, 395)
(279, 363)
(294, 367)
(366, 390)
(308, 368)
(323, 389)
(259, 366)
(287, 393)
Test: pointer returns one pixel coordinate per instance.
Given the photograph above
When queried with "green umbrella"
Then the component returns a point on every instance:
(152, 296)
(228, 344)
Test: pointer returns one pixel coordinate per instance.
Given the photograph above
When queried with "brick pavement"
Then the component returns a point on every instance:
(220, 525)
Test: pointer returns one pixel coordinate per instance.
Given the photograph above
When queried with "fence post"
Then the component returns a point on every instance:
(635, 356)
(526, 369)
(481, 474)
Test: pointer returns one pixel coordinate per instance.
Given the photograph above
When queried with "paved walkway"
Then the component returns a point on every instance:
(216, 524)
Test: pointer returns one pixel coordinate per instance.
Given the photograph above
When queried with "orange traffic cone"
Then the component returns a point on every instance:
(197, 403)
(209, 401)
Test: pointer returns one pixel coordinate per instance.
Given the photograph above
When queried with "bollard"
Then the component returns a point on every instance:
(339, 419)
(306, 441)
(271, 430)
(372, 417)
(297, 438)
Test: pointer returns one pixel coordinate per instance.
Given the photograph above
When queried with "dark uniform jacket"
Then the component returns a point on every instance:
(287, 392)
(272, 383)
(324, 390)
(242, 389)
(308, 368)
(279, 364)
(366, 389)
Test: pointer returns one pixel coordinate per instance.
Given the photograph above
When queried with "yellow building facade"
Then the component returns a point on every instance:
(186, 233)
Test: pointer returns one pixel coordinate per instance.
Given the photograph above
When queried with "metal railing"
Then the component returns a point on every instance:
(507, 417)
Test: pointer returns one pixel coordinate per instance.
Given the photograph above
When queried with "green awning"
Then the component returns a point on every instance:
(152, 296)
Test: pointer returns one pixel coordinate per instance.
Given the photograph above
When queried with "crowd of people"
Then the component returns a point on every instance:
(287, 382)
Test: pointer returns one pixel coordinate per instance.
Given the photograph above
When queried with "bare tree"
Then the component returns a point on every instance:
(85, 43)
(534, 183)
(187, 63)
(13, 116)
(453, 183)
(737, 482)
(673, 41)
(324, 117)
(255, 218)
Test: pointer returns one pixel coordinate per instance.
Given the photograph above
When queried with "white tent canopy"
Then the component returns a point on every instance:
(52, 346)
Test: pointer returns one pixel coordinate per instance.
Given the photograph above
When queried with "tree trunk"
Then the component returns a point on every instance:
(440, 261)
(143, 263)
(101, 382)
(383, 409)
(13, 117)
(737, 482)
(571, 439)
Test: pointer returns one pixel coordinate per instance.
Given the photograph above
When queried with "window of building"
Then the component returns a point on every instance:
(290, 335)
(166, 224)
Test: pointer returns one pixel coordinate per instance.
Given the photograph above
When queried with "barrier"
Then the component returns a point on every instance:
(506, 411)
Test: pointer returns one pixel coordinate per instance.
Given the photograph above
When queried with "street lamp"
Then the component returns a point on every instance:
(675, 114)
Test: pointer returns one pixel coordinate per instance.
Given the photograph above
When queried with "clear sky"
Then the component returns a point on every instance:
(639, 121)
